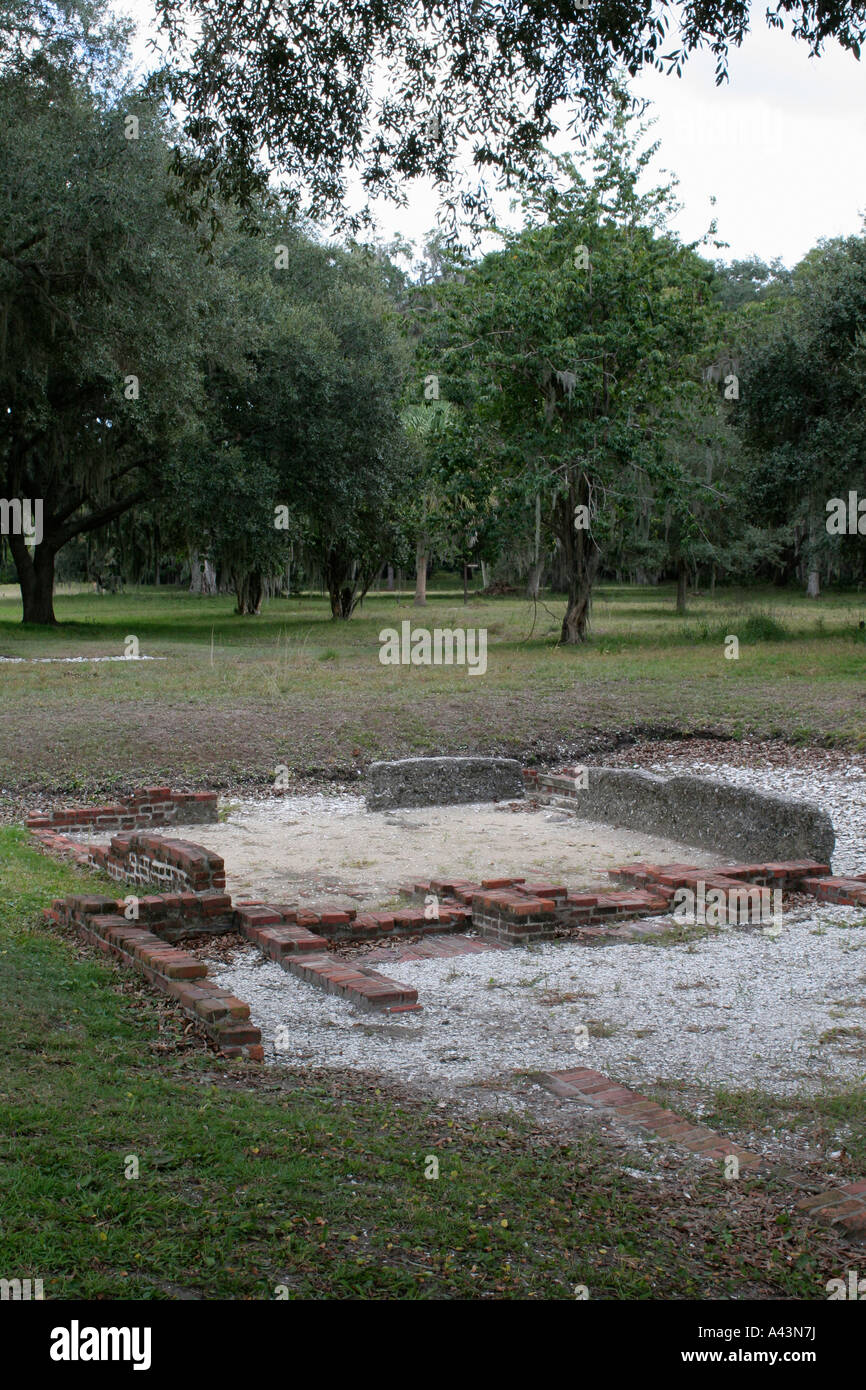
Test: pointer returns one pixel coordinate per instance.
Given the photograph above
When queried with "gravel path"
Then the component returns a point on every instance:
(736, 1009)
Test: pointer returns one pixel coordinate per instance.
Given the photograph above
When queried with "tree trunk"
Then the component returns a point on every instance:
(465, 582)
(533, 583)
(342, 601)
(485, 575)
(195, 575)
(340, 575)
(202, 578)
(575, 624)
(813, 586)
(250, 590)
(581, 558)
(390, 580)
(348, 581)
(36, 578)
(681, 586)
(420, 574)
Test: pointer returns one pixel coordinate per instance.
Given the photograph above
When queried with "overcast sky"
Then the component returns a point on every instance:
(781, 146)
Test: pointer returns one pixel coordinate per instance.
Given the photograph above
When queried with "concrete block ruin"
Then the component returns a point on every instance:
(442, 782)
(741, 821)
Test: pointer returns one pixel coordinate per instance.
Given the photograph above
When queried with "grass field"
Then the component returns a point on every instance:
(233, 697)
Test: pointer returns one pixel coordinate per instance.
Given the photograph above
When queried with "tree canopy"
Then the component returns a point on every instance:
(393, 89)
(136, 371)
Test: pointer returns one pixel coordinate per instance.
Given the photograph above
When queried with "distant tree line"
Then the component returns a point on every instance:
(216, 395)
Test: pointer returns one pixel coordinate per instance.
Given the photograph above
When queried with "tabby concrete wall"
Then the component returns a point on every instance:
(442, 781)
(745, 822)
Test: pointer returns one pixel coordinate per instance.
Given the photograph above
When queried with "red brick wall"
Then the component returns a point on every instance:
(148, 806)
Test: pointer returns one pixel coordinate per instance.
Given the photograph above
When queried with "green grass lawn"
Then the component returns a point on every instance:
(254, 1179)
(233, 697)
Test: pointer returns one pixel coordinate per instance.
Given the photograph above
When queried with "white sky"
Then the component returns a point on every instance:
(781, 146)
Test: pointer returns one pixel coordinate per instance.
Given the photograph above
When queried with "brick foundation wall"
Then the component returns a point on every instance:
(351, 925)
(173, 916)
(143, 860)
(148, 806)
(513, 911)
(221, 1016)
(508, 911)
(139, 858)
(505, 911)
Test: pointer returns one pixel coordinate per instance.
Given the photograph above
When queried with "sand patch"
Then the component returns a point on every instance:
(330, 849)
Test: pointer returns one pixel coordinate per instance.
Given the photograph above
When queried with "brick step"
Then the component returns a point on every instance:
(361, 985)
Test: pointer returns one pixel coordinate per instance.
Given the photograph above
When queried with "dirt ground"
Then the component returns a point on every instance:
(330, 849)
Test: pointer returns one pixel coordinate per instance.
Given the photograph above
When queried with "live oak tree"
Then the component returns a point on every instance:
(304, 434)
(393, 89)
(803, 413)
(581, 340)
(344, 462)
(102, 292)
(136, 372)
